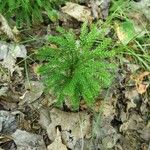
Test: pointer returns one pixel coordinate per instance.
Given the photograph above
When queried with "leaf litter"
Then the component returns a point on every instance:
(9, 53)
(122, 122)
(74, 126)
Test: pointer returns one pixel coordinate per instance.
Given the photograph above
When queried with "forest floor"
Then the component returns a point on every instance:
(120, 117)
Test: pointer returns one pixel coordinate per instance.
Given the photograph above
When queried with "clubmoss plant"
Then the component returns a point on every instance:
(77, 67)
(29, 11)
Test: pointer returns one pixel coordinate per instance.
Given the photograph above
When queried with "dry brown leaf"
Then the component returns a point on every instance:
(121, 35)
(95, 8)
(28, 141)
(108, 110)
(57, 144)
(6, 142)
(45, 119)
(70, 122)
(125, 31)
(143, 7)
(5, 138)
(141, 76)
(9, 54)
(78, 124)
(105, 8)
(139, 21)
(81, 13)
(8, 122)
(5, 28)
(140, 86)
(34, 90)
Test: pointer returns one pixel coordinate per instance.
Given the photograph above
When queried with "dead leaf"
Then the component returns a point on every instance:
(133, 98)
(142, 6)
(133, 67)
(140, 86)
(142, 75)
(109, 142)
(5, 28)
(145, 133)
(9, 53)
(3, 90)
(95, 8)
(139, 21)
(8, 122)
(81, 13)
(132, 95)
(34, 90)
(5, 138)
(57, 144)
(25, 140)
(108, 110)
(129, 125)
(68, 139)
(130, 105)
(125, 31)
(105, 8)
(6, 142)
(45, 119)
(69, 122)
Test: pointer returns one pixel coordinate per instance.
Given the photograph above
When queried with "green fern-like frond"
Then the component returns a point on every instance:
(77, 68)
(29, 11)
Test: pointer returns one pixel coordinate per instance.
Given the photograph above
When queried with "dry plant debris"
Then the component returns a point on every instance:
(5, 28)
(81, 13)
(57, 144)
(120, 123)
(74, 126)
(28, 141)
(8, 55)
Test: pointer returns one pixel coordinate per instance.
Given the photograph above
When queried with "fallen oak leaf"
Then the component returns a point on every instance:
(57, 144)
(141, 77)
(29, 141)
(9, 54)
(142, 88)
(80, 13)
(71, 124)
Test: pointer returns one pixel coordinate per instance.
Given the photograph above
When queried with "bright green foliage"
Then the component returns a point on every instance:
(77, 68)
(28, 11)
